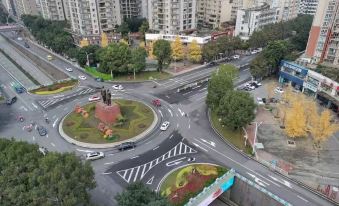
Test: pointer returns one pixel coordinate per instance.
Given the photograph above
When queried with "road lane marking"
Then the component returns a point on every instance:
(177, 125)
(33, 138)
(106, 173)
(80, 150)
(284, 182)
(35, 127)
(175, 162)
(202, 89)
(171, 136)
(134, 157)
(171, 106)
(181, 112)
(177, 114)
(109, 163)
(54, 123)
(258, 181)
(136, 175)
(189, 126)
(155, 148)
(52, 144)
(47, 135)
(170, 112)
(110, 154)
(160, 113)
(200, 147)
(150, 181)
(302, 198)
(34, 105)
(208, 142)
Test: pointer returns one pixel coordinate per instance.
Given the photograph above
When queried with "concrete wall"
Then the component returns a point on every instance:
(243, 194)
(42, 64)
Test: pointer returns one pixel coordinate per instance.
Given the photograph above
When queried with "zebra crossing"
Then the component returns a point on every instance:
(51, 102)
(138, 172)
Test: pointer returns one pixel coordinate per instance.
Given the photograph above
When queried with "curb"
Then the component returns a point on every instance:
(108, 145)
(297, 182)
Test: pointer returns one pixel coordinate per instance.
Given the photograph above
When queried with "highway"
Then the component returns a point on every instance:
(189, 134)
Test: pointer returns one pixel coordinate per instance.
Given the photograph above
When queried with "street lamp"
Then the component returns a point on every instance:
(255, 135)
(87, 58)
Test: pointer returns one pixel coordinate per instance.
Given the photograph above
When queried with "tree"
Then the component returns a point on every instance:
(114, 58)
(162, 50)
(322, 128)
(124, 29)
(177, 49)
(139, 194)
(295, 120)
(259, 68)
(209, 51)
(236, 109)
(274, 53)
(143, 29)
(194, 52)
(220, 83)
(134, 24)
(138, 59)
(91, 51)
(29, 178)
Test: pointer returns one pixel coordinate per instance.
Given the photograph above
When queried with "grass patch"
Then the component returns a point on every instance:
(235, 137)
(138, 117)
(56, 88)
(145, 75)
(28, 75)
(187, 182)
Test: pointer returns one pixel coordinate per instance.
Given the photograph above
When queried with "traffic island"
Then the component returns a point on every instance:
(56, 88)
(182, 184)
(89, 126)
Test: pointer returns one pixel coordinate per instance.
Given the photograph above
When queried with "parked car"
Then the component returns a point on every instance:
(156, 102)
(257, 83)
(11, 100)
(190, 159)
(42, 131)
(278, 90)
(94, 155)
(254, 51)
(164, 126)
(260, 101)
(236, 56)
(94, 98)
(19, 38)
(213, 63)
(99, 79)
(82, 77)
(126, 145)
(43, 150)
(73, 59)
(26, 45)
(117, 87)
(250, 86)
(69, 69)
(49, 57)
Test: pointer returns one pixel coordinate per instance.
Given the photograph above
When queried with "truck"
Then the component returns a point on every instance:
(17, 87)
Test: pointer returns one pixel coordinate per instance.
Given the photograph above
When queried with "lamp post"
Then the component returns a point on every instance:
(87, 59)
(255, 135)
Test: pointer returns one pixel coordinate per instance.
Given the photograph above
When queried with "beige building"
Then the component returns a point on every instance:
(25, 7)
(53, 9)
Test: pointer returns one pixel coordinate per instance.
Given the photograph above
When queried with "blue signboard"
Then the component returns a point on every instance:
(225, 186)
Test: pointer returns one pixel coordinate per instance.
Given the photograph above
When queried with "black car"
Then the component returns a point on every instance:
(42, 131)
(11, 100)
(26, 45)
(213, 63)
(126, 145)
(99, 79)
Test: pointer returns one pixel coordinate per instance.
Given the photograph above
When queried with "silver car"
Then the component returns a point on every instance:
(94, 155)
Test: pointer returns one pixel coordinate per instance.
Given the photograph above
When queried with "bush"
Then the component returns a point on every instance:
(83, 135)
(69, 123)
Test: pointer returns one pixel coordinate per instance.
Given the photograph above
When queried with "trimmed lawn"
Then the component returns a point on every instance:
(145, 75)
(138, 117)
(234, 137)
(56, 88)
(187, 182)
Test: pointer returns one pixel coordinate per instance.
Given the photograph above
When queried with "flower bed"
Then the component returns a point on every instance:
(55, 88)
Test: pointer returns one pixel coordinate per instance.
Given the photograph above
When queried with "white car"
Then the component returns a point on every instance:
(254, 51)
(19, 38)
(257, 83)
(260, 101)
(164, 126)
(278, 90)
(94, 155)
(69, 69)
(82, 77)
(94, 98)
(236, 56)
(250, 86)
(118, 87)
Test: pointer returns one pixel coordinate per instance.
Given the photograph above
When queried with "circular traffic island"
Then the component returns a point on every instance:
(186, 182)
(99, 123)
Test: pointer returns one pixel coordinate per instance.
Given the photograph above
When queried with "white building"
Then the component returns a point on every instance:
(53, 10)
(184, 39)
(288, 9)
(172, 16)
(109, 14)
(308, 6)
(25, 7)
(249, 20)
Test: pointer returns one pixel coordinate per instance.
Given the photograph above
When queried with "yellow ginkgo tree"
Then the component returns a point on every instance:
(321, 128)
(194, 52)
(177, 49)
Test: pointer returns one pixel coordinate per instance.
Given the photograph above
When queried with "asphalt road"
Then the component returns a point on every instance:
(161, 151)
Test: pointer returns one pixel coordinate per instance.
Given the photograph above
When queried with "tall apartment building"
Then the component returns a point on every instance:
(308, 6)
(109, 14)
(288, 9)
(131, 8)
(53, 10)
(172, 16)
(323, 41)
(25, 7)
(211, 14)
(249, 20)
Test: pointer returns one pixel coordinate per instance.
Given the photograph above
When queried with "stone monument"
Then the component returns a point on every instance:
(105, 111)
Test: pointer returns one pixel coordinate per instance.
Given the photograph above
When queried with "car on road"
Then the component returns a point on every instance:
(257, 83)
(69, 69)
(73, 59)
(249, 87)
(254, 51)
(81, 77)
(117, 87)
(26, 45)
(11, 100)
(236, 56)
(191, 159)
(99, 79)
(49, 57)
(42, 130)
(260, 101)
(126, 145)
(213, 63)
(19, 38)
(94, 155)
(43, 150)
(94, 98)
(278, 90)
(156, 102)
(164, 126)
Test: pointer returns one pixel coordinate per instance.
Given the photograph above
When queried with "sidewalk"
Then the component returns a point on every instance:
(178, 68)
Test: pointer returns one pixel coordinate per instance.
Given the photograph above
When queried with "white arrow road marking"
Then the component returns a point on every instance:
(171, 136)
(80, 150)
(302, 198)
(134, 157)
(34, 105)
(54, 123)
(258, 181)
(160, 113)
(150, 181)
(52, 144)
(181, 112)
(106, 173)
(109, 163)
(208, 142)
(170, 112)
(175, 162)
(284, 182)
(155, 147)
(200, 147)
(177, 125)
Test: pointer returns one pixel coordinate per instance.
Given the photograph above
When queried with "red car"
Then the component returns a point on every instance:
(156, 102)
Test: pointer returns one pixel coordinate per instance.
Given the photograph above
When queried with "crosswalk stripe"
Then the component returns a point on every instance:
(136, 174)
(130, 175)
(143, 171)
(180, 148)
